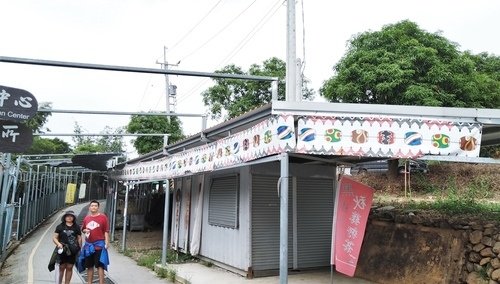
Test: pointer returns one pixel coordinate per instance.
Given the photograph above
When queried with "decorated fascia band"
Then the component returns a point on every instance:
(284, 132)
(359, 136)
(468, 143)
(333, 135)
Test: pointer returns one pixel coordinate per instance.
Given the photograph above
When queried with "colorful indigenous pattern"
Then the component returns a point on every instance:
(319, 135)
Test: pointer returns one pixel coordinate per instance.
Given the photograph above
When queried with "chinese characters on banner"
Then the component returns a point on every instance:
(352, 210)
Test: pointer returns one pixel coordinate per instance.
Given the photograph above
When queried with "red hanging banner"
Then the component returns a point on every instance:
(352, 210)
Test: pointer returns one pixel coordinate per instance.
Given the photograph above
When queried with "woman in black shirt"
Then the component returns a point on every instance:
(68, 239)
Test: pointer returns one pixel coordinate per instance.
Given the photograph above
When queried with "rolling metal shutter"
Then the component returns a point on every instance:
(315, 201)
(223, 203)
(266, 223)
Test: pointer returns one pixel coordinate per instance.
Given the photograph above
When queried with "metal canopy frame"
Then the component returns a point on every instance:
(485, 116)
(103, 67)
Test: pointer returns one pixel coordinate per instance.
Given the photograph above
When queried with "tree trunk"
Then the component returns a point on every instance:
(393, 168)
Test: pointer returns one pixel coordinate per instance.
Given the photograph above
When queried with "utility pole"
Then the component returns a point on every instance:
(291, 54)
(171, 90)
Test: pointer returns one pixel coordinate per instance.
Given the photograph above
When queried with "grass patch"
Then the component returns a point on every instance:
(149, 259)
(168, 273)
(127, 252)
(456, 203)
(207, 263)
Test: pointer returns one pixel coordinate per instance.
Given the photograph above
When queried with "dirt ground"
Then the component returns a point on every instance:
(480, 180)
(140, 241)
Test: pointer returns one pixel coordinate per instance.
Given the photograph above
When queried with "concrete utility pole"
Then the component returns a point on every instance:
(171, 92)
(291, 53)
(291, 96)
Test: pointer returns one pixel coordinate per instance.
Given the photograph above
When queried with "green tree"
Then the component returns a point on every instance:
(107, 143)
(403, 64)
(38, 121)
(154, 124)
(236, 96)
(48, 146)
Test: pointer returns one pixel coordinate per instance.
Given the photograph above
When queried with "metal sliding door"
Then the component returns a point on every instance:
(266, 223)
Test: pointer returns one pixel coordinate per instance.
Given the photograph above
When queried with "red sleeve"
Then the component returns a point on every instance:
(84, 223)
(107, 224)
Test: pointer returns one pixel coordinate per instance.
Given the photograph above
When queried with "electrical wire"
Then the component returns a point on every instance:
(184, 37)
(145, 90)
(196, 25)
(218, 32)
(270, 13)
(191, 91)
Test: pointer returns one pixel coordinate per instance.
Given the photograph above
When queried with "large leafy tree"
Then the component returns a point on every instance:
(44, 145)
(232, 97)
(38, 121)
(107, 143)
(403, 64)
(154, 124)
(48, 146)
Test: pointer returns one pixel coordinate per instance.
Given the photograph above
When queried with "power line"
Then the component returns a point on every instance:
(218, 32)
(240, 45)
(270, 13)
(191, 91)
(145, 91)
(196, 25)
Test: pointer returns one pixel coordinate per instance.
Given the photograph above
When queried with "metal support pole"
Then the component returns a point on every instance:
(59, 189)
(27, 203)
(45, 194)
(130, 69)
(90, 186)
(203, 122)
(3, 198)
(274, 90)
(166, 212)
(36, 192)
(15, 179)
(124, 236)
(113, 212)
(18, 217)
(284, 219)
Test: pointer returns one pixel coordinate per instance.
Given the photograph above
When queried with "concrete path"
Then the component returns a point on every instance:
(196, 273)
(28, 264)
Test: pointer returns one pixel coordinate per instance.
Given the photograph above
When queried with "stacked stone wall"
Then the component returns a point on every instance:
(480, 255)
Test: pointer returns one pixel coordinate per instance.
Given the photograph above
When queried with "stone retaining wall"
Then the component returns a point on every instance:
(456, 249)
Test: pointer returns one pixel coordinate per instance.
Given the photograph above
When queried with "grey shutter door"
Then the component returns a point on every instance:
(266, 223)
(315, 201)
(223, 203)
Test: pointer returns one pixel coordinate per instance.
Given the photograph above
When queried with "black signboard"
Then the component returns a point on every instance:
(15, 137)
(17, 104)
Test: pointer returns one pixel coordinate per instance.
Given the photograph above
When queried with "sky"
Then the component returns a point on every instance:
(199, 35)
